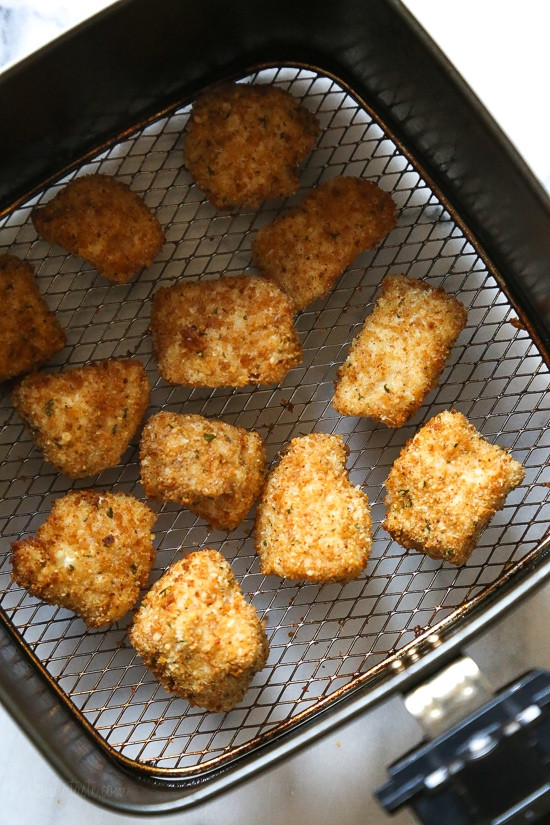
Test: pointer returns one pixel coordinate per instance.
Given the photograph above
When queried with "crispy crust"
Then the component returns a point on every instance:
(445, 487)
(235, 331)
(244, 143)
(84, 418)
(29, 331)
(308, 247)
(101, 220)
(399, 355)
(213, 468)
(312, 524)
(92, 555)
(198, 634)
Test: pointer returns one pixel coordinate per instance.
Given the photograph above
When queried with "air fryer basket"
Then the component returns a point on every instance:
(335, 649)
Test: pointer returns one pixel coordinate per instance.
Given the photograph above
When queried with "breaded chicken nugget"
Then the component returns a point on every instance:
(92, 555)
(308, 247)
(213, 468)
(244, 143)
(101, 220)
(399, 354)
(29, 331)
(198, 634)
(235, 331)
(312, 523)
(84, 418)
(445, 487)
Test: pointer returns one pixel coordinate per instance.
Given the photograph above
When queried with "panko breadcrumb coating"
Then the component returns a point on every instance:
(308, 247)
(198, 634)
(29, 331)
(312, 524)
(101, 220)
(399, 354)
(234, 331)
(84, 418)
(244, 143)
(92, 555)
(213, 468)
(445, 487)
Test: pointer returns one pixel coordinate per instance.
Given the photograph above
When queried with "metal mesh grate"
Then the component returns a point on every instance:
(322, 637)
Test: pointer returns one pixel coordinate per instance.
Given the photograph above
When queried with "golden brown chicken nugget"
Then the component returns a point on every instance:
(84, 418)
(29, 331)
(198, 634)
(213, 468)
(445, 487)
(92, 555)
(399, 355)
(308, 247)
(234, 331)
(245, 142)
(101, 220)
(226, 511)
(312, 524)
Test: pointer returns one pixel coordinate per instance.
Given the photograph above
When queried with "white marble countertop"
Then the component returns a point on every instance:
(502, 52)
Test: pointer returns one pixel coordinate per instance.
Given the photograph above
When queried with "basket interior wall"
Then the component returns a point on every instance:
(321, 637)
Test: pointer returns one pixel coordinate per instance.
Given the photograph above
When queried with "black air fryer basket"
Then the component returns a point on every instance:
(113, 96)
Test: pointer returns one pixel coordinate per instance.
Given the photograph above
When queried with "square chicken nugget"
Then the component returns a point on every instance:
(312, 523)
(29, 331)
(92, 555)
(308, 247)
(244, 143)
(101, 220)
(399, 354)
(445, 487)
(198, 634)
(84, 418)
(234, 331)
(213, 468)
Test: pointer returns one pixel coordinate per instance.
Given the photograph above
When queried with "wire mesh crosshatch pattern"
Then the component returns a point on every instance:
(322, 638)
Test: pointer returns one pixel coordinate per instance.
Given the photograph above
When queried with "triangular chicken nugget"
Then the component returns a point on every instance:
(103, 221)
(84, 418)
(29, 331)
(198, 634)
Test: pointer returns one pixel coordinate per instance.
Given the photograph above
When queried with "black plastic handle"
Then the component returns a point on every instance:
(490, 769)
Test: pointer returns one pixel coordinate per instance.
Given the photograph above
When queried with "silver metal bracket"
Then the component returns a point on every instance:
(485, 762)
(450, 696)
